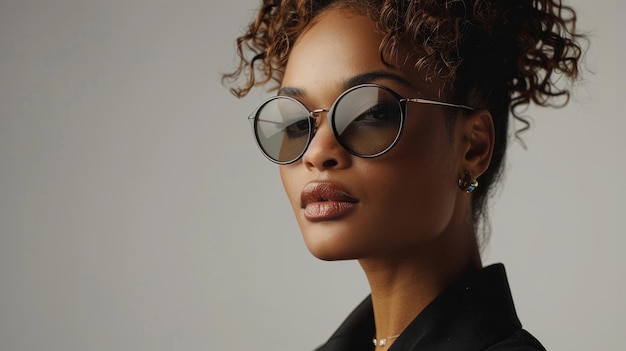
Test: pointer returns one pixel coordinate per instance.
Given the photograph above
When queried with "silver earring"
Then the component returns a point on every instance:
(468, 183)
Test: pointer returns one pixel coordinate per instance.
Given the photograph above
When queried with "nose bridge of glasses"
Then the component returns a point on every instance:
(315, 114)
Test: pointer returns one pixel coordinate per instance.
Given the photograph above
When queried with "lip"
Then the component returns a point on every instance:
(324, 201)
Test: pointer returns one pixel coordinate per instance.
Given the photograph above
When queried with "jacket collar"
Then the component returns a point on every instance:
(475, 312)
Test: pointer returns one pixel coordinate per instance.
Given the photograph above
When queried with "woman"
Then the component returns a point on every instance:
(390, 127)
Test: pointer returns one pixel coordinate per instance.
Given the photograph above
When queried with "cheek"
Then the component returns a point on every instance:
(291, 184)
(285, 179)
(421, 184)
(416, 183)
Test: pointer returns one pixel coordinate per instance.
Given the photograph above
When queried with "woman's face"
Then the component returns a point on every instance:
(350, 207)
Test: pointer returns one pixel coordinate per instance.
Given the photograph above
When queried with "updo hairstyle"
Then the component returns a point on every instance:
(499, 55)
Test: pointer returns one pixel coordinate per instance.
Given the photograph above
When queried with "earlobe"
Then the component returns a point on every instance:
(479, 135)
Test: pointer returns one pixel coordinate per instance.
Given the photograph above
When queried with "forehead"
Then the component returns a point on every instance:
(339, 45)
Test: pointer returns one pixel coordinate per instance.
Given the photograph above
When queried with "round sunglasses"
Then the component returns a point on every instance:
(367, 121)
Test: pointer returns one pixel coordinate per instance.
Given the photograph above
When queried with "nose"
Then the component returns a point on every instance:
(324, 152)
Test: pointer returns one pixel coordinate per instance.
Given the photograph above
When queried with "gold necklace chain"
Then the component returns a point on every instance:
(383, 342)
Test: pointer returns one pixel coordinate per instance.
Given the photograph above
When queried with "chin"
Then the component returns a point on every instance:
(338, 240)
(332, 250)
(330, 255)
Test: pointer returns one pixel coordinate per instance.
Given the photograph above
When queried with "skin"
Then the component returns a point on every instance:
(411, 230)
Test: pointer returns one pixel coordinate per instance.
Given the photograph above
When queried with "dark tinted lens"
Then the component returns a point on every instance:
(282, 128)
(367, 120)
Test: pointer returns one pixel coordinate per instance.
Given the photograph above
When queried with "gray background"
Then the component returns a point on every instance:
(137, 214)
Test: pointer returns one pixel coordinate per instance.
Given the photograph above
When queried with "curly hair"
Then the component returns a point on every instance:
(495, 54)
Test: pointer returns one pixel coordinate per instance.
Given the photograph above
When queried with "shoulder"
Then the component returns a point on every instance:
(521, 340)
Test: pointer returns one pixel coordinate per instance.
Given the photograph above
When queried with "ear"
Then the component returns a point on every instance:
(478, 141)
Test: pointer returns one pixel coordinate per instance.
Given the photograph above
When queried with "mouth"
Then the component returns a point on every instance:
(324, 201)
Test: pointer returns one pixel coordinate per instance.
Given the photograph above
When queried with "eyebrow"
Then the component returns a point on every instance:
(291, 91)
(366, 77)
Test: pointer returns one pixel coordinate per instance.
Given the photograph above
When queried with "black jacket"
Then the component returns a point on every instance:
(475, 313)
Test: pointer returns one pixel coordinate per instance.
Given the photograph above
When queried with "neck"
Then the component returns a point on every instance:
(404, 283)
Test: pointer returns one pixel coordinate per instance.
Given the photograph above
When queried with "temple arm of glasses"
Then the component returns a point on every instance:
(432, 102)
